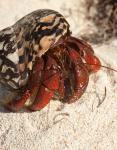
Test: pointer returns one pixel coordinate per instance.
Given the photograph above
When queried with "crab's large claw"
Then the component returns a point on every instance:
(49, 84)
(86, 52)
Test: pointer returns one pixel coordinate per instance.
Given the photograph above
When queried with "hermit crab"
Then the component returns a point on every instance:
(39, 58)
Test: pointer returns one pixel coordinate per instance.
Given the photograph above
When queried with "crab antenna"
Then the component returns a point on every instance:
(102, 66)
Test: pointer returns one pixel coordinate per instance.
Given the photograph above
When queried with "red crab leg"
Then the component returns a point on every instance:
(35, 78)
(16, 105)
(92, 62)
(49, 85)
(81, 76)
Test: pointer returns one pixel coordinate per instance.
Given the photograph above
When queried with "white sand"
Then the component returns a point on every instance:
(84, 125)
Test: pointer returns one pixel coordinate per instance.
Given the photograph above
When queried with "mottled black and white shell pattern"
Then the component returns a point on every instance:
(28, 38)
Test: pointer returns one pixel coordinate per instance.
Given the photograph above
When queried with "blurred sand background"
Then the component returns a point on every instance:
(88, 124)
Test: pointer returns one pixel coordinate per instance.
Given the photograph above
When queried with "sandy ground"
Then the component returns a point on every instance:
(88, 124)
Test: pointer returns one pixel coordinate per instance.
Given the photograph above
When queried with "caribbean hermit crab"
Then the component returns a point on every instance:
(40, 58)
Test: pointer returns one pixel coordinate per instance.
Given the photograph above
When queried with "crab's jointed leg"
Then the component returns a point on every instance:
(81, 76)
(33, 84)
(49, 84)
